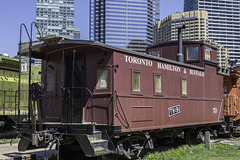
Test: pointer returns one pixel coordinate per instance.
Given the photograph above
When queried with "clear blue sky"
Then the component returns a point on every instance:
(15, 12)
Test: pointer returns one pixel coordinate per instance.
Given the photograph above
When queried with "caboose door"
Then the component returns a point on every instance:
(74, 80)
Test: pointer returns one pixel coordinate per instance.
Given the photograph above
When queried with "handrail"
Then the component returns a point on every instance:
(30, 56)
(118, 112)
(19, 53)
(35, 24)
(21, 33)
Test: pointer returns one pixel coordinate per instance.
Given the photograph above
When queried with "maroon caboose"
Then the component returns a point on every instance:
(99, 99)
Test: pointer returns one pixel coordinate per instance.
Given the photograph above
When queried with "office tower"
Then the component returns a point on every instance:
(196, 23)
(157, 10)
(76, 33)
(55, 17)
(223, 22)
(123, 23)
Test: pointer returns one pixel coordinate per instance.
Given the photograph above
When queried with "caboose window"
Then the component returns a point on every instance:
(155, 53)
(184, 87)
(158, 83)
(102, 79)
(192, 53)
(207, 53)
(136, 81)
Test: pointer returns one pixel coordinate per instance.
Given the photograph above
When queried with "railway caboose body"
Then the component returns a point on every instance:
(106, 100)
(232, 103)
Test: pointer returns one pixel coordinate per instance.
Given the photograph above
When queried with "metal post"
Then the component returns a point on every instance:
(19, 81)
(33, 112)
(73, 70)
(19, 53)
(63, 86)
(30, 109)
(207, 138)
(180, 55)
(46, 81)
(113, 97)
(4, 99)
(92, 107)
(15, 104)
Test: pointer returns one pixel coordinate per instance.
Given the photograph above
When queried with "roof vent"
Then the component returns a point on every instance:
(180, 27)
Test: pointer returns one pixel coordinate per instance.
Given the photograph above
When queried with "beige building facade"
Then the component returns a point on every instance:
(196, 23)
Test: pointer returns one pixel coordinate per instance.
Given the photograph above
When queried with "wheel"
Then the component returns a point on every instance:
(132, 147)
(194, 137)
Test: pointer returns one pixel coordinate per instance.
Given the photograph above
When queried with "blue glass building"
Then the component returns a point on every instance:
(123, 23)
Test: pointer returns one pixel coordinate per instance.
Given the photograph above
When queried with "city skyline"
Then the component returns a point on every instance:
(25, 12)
(55, 18)
(223, 22)
(196, 29)
(124, 24)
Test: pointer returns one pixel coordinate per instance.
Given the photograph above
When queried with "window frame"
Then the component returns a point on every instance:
(134, 92)
(207, 49)
(155, 50)
(107, 89)
(181, 87)
(155, 93)
(192, 60)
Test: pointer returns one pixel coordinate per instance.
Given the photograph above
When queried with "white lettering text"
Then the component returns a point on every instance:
(139, 61)
(169, 67)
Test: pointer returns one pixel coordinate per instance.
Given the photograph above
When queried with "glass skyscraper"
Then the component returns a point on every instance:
(55, 17)
(223, 22)
(123, 23)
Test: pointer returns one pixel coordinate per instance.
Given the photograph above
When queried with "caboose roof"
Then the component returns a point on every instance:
(56, 44)
(184, 42)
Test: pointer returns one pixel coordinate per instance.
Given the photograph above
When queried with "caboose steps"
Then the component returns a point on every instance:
(99, 145)
(96, 144)
(97, 135)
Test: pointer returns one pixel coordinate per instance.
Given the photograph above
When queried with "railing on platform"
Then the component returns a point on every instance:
(69, 95)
